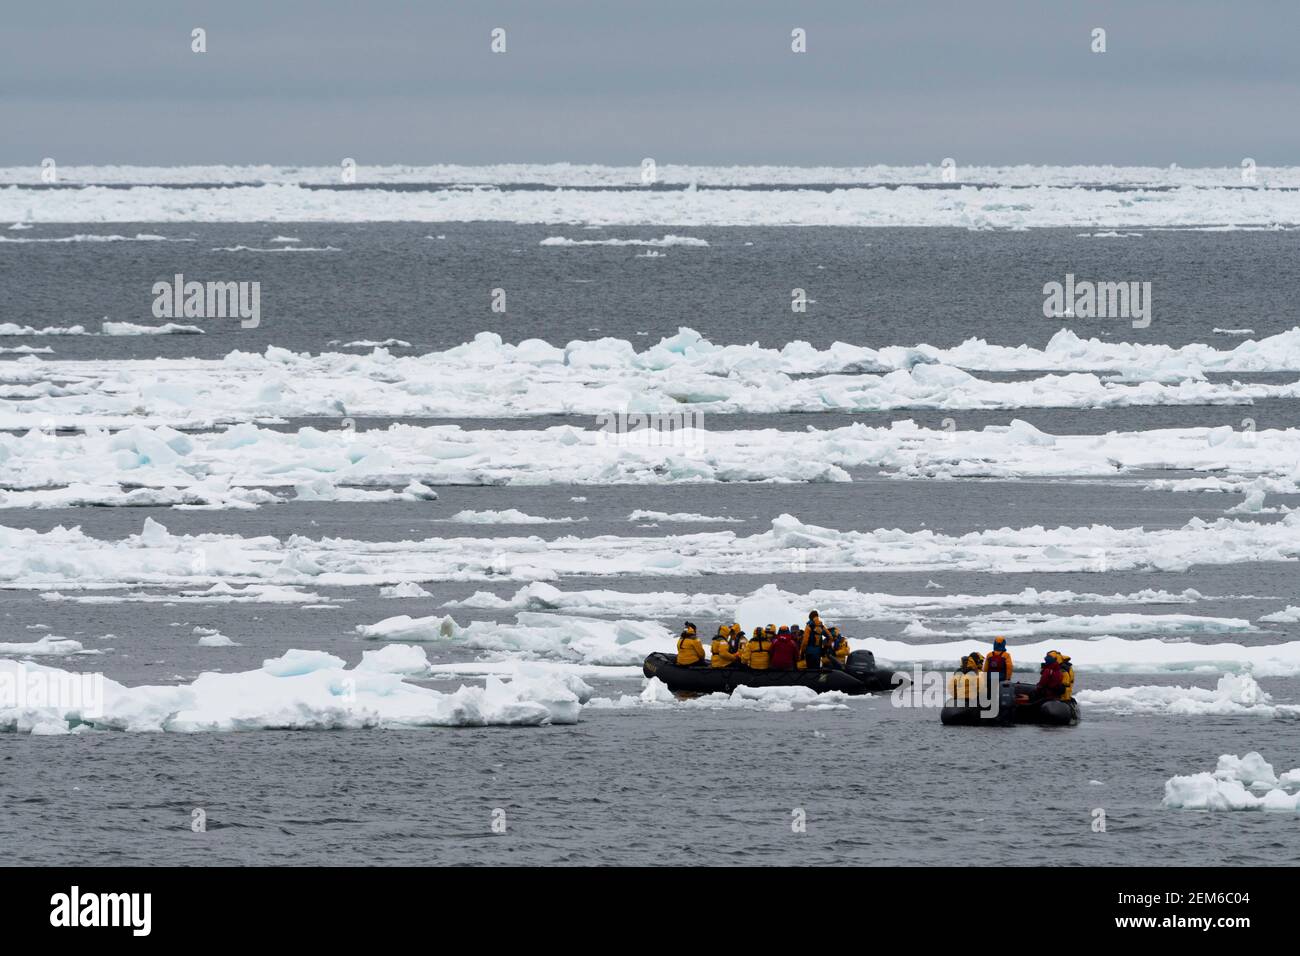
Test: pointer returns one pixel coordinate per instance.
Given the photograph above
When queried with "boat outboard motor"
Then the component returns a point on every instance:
(860, 662)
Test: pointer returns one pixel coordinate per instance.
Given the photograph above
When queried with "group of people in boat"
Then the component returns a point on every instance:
(810, 646)
(1055, 674)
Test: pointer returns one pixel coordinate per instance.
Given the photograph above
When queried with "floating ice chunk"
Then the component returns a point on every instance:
(302, 690)
(1206, 198)
(9, 328)
(1289, 615)
(669, 240)
(1234, 694)
(407, 589)
(403, 627)
(47, 646)
(682, 517)
(130, 328)
(210, 637)
(408, 659)
(506, 516)
(767, 607)
(1237, 783)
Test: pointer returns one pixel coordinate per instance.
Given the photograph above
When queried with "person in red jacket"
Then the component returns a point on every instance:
(784, 651)
(1051, 682)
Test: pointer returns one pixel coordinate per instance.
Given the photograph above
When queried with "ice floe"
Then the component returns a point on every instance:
(679, 517)
(47, 646)
(1233, 695)
(301, 690)
(969, 206)
(603, 175)
(211, 637)
(65, 558)
(682, 373)
(505, 516)
(669, 240)
(238, 466)
(835, 603)
(1119, 624)
(130, 328)
(1288, 615)
(1236, 783)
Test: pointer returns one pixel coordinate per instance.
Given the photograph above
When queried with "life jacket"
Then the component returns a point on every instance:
(758, 653)
(1049, 680)
(733, 643)
(999, 662)
(1067, 679)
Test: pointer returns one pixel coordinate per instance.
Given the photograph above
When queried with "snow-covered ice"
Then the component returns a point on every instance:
(683, 372)
(1234, 695)
(305, 690)
(1236, 783)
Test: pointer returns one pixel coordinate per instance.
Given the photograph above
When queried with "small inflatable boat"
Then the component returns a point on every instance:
(859, 676)
(1014, 707)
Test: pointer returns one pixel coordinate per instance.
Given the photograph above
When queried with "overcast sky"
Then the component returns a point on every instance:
(611, 81)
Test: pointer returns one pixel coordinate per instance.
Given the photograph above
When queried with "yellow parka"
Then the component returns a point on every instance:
(723, 655)
(1067, 678)
(689, 650)
(756, 654)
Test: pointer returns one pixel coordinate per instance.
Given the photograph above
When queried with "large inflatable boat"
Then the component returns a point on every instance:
(1014, 707)
(859, 676)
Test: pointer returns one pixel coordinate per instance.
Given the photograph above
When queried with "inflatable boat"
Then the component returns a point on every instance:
(859, 676)
(1014, 707)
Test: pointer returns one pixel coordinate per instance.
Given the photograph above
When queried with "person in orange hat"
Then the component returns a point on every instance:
(999, 660)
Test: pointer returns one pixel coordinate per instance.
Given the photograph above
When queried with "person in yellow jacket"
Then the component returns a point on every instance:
(962, 683)
(690, 651)
(999, 660)
(727, 646)
(1067, 675)
(835, 647)
(756, 653)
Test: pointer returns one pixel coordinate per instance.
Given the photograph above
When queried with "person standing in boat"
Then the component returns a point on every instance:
(690, 652)
(756, 654)
(999, 661)
(784, 650)
(810, 647)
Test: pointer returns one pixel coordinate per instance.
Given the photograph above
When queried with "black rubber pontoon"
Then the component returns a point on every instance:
(860, 676)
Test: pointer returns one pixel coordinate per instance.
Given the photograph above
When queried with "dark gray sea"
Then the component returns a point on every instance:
(877, 784)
